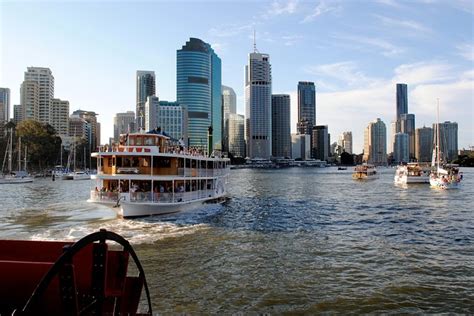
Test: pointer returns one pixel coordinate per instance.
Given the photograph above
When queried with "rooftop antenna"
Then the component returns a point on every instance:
(254, 42)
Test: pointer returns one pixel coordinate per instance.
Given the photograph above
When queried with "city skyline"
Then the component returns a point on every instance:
(355, 75)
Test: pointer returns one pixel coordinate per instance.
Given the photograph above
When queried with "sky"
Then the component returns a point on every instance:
(355, 51)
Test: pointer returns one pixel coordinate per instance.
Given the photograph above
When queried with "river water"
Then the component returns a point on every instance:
(288, 241)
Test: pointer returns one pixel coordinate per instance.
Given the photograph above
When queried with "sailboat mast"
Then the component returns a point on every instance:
(19, 153)
(10, 152)
(26, 152)
(437, 138)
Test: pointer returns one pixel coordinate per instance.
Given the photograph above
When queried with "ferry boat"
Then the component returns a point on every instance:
(412, 172)
(365, 172)
(150, 174)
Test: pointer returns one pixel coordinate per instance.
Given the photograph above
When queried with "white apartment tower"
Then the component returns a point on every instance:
(29, 101)
(258, 106)
(45, 80)
(375, 143)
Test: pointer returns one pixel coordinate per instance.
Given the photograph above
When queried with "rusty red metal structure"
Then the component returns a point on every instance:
(64, 278)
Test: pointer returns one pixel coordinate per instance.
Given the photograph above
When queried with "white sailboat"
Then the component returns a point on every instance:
(75, 174)
(19, 176)
(443, 176)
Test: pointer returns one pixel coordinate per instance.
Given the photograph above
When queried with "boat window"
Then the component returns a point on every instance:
(161, 162)
(139, 141)
(109, 161)
(131, 141)
(209, 165)
(149, 141)
(180, 163)
(119, 162)
(193, 163)
(188, 163)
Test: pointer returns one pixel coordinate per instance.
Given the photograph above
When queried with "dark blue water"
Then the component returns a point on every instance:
(288, 241)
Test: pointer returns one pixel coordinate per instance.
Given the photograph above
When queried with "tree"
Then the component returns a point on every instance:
(347, 159)
(42, 142)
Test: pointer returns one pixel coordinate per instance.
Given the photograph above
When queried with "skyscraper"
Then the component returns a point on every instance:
(236, 135)
(448, 138)
(402, 100)
(281, 126)
(345, 141)
(45, 85)
(122, 122)
(321, 144)
(4, 105)
(199, 88)
(229, 106)
(423, 144)
(258, 102)
(400, 148)
(407, 126)
(306, 107)
(91, 118)
(146, 86)
(171, 117)
(229, 101)
(59, 114)
(375, 143)
(29, 101)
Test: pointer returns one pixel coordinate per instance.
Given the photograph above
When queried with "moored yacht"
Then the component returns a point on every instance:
(412, 172)
(14, 177)
(365, 172)
(146, 174)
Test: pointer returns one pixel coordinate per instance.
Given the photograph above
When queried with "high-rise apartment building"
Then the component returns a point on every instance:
(448, 139)
(236, 123)
(94, 134)
(29, 101)
(146, 86)
(199, 88)
(321, 142)
(281, 126)
(306, 107)
(4, 105)
(423, 144)
(375, 143)
(258, 102)
(170, 117)
(45, 80)
(59, 117)
(123, 123)
(400, 148)
(17, 114)
(229, 106)
(345, 142)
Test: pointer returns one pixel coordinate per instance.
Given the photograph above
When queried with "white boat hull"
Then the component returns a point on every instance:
(411, 180)
(14, 180)
(133, 209)
(438, 183)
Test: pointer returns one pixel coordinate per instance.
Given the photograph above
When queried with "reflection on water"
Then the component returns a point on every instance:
(289, 241)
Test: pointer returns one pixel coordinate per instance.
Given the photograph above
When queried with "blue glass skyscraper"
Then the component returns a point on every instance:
(198, 72)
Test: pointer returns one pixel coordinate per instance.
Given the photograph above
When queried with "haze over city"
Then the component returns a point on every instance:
(355, 52)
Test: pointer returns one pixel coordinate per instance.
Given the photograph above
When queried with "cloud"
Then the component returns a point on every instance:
(466, 50)
(345, 72)
(391, 3)
(399, 23)
(386, 48)
(282, 7)
(290, 40)
(424, 72)
(319, 10)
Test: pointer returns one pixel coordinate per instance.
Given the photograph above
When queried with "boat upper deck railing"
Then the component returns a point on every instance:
(175, 150)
